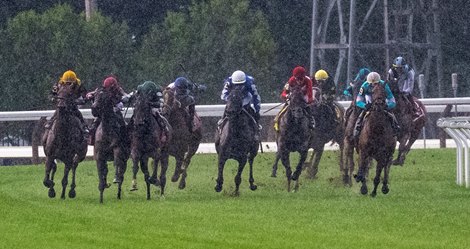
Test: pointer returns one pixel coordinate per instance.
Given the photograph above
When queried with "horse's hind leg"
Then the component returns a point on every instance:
(276, 161)
(313, 169)
(121, 166)
(385, 188)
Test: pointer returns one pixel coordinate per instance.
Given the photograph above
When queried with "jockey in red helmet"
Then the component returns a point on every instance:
(299, 78)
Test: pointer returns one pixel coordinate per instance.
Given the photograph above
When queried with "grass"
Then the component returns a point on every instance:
(424, 209)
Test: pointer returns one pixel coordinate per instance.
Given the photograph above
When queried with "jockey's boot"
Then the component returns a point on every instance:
(49, 122)
(311, 119)
(395, 126)
(358, 126)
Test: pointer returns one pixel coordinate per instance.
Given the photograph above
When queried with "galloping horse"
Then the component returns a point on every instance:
(327, 128)
(111, 141)
(294, 134)
(184, 143)
(146, 143)
(376, 141)
(236, 139)
(64, 141)
(410, 127)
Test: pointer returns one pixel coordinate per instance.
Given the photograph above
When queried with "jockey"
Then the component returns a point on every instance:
(119, 97)
(69, 77)
(364, 98)
(182, 92)
(328, 91)
(299, 78)
(251, 100)
(361, 76)
(155, 97)
(404, 76)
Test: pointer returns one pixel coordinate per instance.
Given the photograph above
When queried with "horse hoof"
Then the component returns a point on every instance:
(385, 190)
(48, 183)
(107, 185)
(218, 188)
(358, 178)
(373, 194)
(364, 190)
(51, 193)
(273, 175)
(72, 194)
(175, 178)
(182, 185)
(253, 187)
(154, 181)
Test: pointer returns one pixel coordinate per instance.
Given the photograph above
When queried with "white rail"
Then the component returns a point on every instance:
(459, 129)
(433, 105)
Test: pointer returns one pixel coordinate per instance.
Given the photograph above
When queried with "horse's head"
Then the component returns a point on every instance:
(379, 97)
(235, 100)
(103, 103)
(297, 103)
(142, 109)
(66, 96)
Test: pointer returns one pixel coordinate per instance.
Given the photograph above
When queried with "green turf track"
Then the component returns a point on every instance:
(424, 209)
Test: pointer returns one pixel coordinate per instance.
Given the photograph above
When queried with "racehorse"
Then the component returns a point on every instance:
(327, 128)
(64, 141)
(111, 141)
(410, 126)
(184, 142)
(236, 139)
(146, 142)
(376, 141)
(294, 135)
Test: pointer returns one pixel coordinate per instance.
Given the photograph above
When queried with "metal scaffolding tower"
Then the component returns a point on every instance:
(410, 28)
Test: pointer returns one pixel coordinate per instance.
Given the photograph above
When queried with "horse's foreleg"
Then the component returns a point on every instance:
(135, 170)
(220, 174)
(385, 188)
(286, 162)
(361, 172)
(238, 176)
(401, 150)
(185, 166)
(378, 172)
(164, 163)
(48, 183)
(252, 180)
(348, 164)
(176, 175)
(65, 179)
(276, 161)
(121, 165)
(298, 169)
(313, 169)
(72, 192)
(102, 175)
(145, 171)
